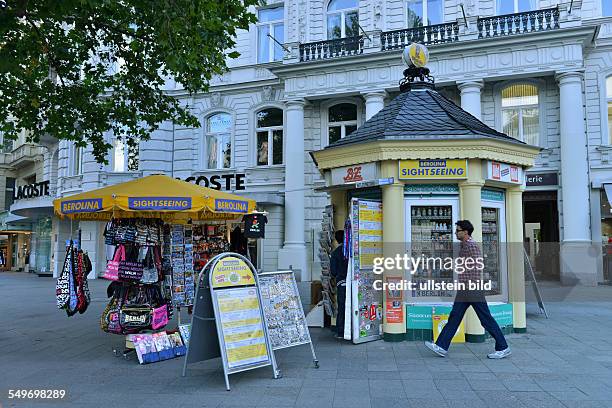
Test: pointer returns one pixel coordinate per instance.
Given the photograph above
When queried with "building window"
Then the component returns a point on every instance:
(521, 113)
(219, 141)
(609, 106)
(423, 12)
(270, 24)
(606, 8)
(126, 156)
(6, 145)
(342, 19)
(77, 161)
(9, 192)
(515, 6)
(342, 121)
(269, 137)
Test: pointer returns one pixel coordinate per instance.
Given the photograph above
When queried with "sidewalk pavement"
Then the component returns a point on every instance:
(563, 361)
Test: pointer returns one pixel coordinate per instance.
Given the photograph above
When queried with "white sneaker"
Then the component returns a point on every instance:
(500, 354)
(435, 348)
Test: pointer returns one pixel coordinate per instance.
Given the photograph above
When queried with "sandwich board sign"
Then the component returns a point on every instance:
(287, 326)
(229, 303)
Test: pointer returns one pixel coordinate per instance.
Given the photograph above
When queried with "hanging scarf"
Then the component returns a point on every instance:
(62, 287)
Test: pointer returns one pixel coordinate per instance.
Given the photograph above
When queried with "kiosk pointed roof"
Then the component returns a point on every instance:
(421, 113)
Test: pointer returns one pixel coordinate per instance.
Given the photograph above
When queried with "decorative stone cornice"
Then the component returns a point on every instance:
(413, 150)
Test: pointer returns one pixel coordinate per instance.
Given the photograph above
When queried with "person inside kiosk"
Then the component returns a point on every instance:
(466, 298)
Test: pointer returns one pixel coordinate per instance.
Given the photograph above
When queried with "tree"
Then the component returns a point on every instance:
(75, 69)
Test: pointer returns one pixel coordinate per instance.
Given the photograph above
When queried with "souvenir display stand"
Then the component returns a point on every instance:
(150, 222)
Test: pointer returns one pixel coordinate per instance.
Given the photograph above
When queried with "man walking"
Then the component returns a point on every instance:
(464, 299)
(338, 267)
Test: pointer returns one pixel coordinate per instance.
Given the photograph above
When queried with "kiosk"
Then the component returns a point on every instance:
(430, 163)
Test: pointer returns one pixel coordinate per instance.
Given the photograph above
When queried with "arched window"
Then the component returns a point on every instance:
(423, 12)
(520, 113)
(609, 106)
(218, 141)
(342, 120)
(269, 136)
(514, 6)
(342, 19)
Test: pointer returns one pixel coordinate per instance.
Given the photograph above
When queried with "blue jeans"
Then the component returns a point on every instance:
(484, 315)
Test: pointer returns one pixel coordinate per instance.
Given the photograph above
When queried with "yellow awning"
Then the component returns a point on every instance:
(156, 196)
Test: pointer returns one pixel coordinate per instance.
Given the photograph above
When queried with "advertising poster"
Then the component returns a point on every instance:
(394, 302)
(242, 327)
(366, 302)
(439, 321)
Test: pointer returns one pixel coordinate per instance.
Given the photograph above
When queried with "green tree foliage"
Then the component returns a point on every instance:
(74, 69)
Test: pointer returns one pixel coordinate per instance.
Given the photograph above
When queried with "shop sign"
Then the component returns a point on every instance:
(440, 320)
(159, 203)
(354, 174)
(219, 181)
(231, 271)
(507, 173)
(431, 189)
(32, 190)
(85, 205)
(542, 179)
(491, 195)
(433, 169)
(394, 309)
(226, 205)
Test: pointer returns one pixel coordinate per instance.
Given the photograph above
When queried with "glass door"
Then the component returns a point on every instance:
(430, 238)
(494, 248)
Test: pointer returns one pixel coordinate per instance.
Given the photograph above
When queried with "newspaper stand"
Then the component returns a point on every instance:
(228, 301)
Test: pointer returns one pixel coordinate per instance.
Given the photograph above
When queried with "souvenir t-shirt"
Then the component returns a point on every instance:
(255, 225)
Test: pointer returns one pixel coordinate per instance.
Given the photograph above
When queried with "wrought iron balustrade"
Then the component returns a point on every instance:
(519, 23)
(339, 47)
(432, 34)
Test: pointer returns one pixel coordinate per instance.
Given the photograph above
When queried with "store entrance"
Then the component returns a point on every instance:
(5, 263)
(541, 233)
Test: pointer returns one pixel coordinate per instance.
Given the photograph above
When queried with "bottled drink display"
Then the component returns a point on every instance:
(432, 236)
(491, 248)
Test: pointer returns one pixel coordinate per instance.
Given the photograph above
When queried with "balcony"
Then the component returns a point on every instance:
(339, 47)
(457, 31)
(25, 154)
(428, 35)
(519, 23)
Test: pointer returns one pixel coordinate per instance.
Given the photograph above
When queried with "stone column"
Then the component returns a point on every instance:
(293, 253)
(576, 263)
(393, 239)
(470, 97)
(374, 102)
(516, 263)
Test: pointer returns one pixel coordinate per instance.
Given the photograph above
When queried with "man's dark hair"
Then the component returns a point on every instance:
(466, 226)
(339, 235)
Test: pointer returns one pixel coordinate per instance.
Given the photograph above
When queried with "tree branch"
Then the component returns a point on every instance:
(52, 62)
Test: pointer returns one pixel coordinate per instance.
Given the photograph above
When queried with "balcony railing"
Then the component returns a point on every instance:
(519, 23)
(340, 47)
(433, 34)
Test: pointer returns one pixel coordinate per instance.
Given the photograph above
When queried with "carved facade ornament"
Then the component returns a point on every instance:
(267, 94)
(216, 100)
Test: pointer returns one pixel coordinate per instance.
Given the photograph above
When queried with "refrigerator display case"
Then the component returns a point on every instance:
(491, 248)
(430, 236)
